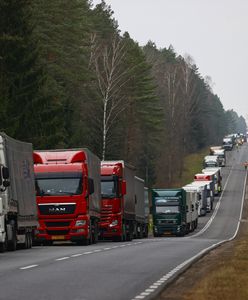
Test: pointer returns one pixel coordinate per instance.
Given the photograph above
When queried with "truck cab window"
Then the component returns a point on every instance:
(109, 189)
(58, 186)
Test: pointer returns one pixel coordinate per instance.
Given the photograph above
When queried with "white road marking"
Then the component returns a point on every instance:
(62, 258)
(28, 267)
(76, 255)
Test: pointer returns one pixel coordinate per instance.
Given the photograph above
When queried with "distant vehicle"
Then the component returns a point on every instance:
(211, 161)
(228, 143)
(175, 212)
(209, 180)
(215, 174)
(18, 209)
(214, 148)
(220, 152)
(201, 188)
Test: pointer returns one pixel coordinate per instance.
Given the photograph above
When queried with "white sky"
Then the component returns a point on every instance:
(213, 32)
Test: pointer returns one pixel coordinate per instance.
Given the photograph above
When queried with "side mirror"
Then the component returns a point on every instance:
(124, 187)
(5, 172)
(91, 186)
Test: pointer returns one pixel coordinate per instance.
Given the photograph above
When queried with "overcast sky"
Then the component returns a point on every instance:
(213, 32)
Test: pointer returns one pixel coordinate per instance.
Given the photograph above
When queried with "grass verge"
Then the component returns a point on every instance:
(192, 165)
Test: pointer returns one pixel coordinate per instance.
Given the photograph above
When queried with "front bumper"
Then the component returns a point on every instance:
(163, 230)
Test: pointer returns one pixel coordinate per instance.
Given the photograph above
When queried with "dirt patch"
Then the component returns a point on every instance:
(193, 284)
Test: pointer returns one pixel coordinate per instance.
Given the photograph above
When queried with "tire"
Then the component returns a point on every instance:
(47, 243)
(12, 245)
(26, 244)
(95, 233)
(3, 247)
(30, 240)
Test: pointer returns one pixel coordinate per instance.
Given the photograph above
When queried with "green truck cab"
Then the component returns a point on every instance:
(169, 212)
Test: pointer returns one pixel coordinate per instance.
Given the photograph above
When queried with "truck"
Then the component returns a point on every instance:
(68, 193)
(228, 143)
(200, 189)
(211, 161)
(215, 174)
(208, 179)
(118, 201)
(141, 205)
(172, 212)
(221, 153)
(18, 209)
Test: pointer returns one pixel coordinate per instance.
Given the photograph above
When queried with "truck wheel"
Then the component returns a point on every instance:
(3, 247)
(26, 244)
(130, 235)
(48, 243)
(30, 240)
(95, 233)
(12, 245)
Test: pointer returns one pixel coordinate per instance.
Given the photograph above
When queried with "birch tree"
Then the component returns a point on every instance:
(107, 60)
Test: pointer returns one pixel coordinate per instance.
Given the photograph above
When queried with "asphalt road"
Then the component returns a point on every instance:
(121, 271)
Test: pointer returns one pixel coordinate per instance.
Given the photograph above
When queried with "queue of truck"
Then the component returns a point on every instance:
(176, 211)
(70, 195)
(67, 195)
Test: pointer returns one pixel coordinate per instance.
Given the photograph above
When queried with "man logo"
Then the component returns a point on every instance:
(57, 210)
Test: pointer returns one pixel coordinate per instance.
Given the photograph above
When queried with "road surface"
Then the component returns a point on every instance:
(122, 271)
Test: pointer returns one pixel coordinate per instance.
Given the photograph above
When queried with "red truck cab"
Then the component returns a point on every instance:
(68, 195)
(118, 201)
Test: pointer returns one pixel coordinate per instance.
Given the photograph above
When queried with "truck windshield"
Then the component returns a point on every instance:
(109, 189)
(56, 184)
(167, 209)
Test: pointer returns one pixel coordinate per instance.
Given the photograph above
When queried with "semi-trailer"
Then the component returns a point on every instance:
(68, 195)
(118, 201)
(141, 204)
(18, 209)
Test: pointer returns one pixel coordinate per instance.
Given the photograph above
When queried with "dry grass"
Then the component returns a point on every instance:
(228, 280)
(193, 164)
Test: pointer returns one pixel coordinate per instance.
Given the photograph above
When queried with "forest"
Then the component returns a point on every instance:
(69, 78)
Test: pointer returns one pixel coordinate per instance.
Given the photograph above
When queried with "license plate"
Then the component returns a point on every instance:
(58, 237)
(167, 233)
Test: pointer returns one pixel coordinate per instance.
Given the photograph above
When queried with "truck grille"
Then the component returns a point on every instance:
(167, 222)
(57, 224)
(105, 212)
(57, 232)
(57, 209)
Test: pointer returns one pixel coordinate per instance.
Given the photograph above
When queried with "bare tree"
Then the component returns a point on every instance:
(107, 61)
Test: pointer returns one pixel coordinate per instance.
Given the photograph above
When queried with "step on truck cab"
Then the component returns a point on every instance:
(18, 209)
(172, 212)
(68, 195)
(118, 201)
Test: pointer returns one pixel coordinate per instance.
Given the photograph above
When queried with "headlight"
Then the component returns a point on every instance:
(80, 222)
(114, 223)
